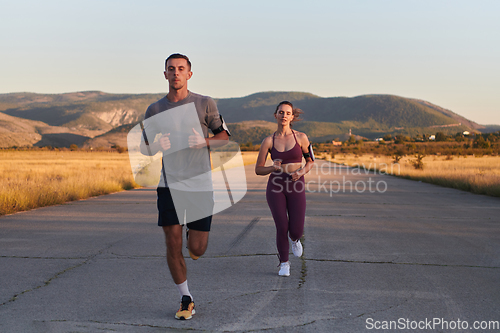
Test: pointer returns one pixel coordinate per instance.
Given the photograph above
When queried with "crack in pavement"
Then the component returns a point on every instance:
(397, 217)
(120, 256)
(50, 258)
(401, 263)
(337, 215)
(303, 270)
(82, 324)
(377, 311)
(240, 255)
(89, 325)
(283, 326)
(242, 234)
(302, 258)
(254, 310)
(253, 293)
(47, 282)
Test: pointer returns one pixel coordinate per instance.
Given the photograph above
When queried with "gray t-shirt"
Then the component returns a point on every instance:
(184, 168)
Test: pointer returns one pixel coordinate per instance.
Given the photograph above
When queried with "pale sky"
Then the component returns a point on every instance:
(444, 52)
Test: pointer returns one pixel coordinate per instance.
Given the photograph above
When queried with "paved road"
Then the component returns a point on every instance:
(403, 251)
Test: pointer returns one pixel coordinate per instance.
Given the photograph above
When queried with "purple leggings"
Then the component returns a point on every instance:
(287, 201)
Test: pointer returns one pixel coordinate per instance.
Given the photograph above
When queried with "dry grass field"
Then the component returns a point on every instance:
(37, 178)
(32, 179)
(249, 157)
(479, 175)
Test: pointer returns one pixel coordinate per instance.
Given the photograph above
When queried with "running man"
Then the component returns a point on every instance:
(184, 166)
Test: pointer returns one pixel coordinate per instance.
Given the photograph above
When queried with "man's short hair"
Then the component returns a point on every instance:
(178, 56)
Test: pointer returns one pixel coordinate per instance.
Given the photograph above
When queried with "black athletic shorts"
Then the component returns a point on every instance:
(193, 206)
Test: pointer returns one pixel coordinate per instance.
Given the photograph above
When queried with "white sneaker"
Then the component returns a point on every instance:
(284, 269)
(296, 247)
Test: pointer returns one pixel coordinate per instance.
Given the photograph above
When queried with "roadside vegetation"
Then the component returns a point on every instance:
(466, 163)
(480, 175)
(42, 177)
(469, 163)
(38, 177)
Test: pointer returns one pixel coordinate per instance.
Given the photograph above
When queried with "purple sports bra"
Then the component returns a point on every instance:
(293, 155)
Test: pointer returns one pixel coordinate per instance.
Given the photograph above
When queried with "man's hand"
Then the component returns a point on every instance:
(195, 140)
(165, 142)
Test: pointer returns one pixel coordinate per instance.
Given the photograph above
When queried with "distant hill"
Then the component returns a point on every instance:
(490, 128)
(95, 118)
(259, 106)
(19, 132)
(452, 115)
(92, 110)
(369, 116)
(115, 137)
(387, 110)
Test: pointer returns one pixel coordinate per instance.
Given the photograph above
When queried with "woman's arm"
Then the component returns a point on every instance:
(304, 145)
(260, 169)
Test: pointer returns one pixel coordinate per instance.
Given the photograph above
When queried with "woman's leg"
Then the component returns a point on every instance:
(278, 204)
(296, 206)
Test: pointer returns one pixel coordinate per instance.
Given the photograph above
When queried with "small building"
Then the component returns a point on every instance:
(465, 133)
(432, 137)
(336, 143)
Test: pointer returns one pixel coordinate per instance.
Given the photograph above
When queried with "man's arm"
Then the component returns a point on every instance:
(217, 126)
(152, 149)
(197, 141)
(218, 140)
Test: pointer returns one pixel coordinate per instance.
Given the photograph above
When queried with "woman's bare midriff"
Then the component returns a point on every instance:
(291, 167)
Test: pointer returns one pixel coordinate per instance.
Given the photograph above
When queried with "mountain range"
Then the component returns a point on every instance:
(98, 119)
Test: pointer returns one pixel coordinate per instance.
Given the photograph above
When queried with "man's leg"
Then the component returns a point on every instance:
(177, 266)
(175, 260)
(197, 242)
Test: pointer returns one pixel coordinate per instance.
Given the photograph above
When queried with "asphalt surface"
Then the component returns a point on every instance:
(398, 253)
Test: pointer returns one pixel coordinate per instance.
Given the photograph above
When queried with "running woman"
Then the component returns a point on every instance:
(285, 192)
